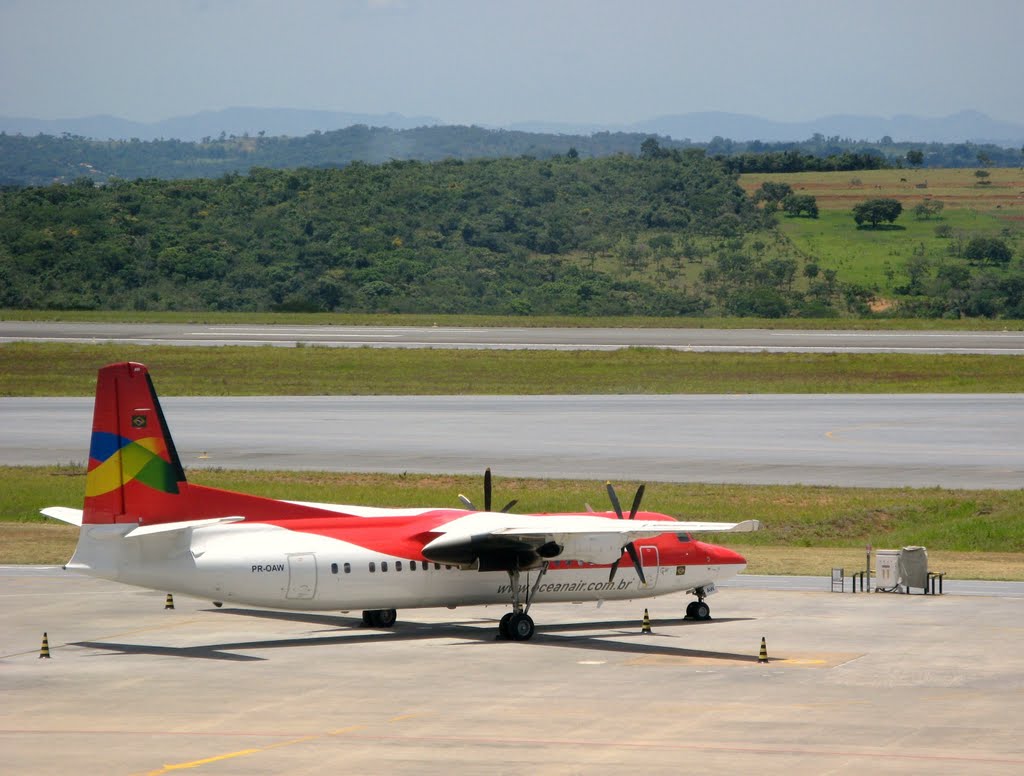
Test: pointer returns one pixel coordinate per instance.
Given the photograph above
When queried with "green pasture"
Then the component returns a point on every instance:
(875, 257)
(56, 369)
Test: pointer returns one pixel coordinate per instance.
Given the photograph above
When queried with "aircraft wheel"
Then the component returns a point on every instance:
(503, 631)
(520, 627)
(689, 610)
(701, 611)
(386, 618)
(380, 618)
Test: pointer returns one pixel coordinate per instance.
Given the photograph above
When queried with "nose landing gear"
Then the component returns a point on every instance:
(698, 610)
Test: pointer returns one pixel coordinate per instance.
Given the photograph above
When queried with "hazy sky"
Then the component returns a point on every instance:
(501, 61)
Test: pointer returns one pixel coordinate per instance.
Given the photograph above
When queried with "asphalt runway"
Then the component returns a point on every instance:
(716, 340)
(953, 441)
(855, 684)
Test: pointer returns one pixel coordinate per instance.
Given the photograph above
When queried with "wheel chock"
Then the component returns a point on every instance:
(762, 656)
(169, 603)
(44, 650)
(646, 626)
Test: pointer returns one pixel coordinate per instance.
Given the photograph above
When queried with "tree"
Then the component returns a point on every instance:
(982, 176)
(874, 211)
(990, 250)
(928, 208)
(798, 204)
(772, 191)
(651, 149)
(915, 158)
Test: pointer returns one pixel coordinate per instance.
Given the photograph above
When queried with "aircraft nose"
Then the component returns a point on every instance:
(726, 557)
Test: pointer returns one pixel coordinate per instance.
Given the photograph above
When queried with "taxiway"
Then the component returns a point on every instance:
(855, 683)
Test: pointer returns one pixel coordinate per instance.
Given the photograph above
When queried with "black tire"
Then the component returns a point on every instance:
(689, 610)
(386, 618)
(367, 618)
(701, 611)
(520, 627)
(503, 631)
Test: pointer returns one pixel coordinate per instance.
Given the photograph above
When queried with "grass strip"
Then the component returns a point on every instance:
(511, 321)
(58, 369)
(834, 522)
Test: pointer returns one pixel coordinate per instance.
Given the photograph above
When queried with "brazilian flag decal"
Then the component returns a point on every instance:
(141, 460)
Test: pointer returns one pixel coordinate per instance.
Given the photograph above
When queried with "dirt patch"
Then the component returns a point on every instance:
(881, 305)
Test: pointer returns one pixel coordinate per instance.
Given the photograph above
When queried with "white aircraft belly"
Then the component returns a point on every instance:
(259, 565)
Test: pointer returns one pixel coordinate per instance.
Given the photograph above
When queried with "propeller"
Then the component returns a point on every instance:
(487, 496)
(630, 548)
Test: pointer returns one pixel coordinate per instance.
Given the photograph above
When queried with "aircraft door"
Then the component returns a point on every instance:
(649, 560)
(301, 575)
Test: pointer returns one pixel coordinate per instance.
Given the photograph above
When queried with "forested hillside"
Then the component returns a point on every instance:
(42, 159)
(503, 236)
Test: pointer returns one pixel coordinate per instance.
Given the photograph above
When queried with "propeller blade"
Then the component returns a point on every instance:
(615, 500)
(636, 502)
(636, 562)
(487, 490)
(589, 508)
(615, 567)
(467, 503)
(509, 505)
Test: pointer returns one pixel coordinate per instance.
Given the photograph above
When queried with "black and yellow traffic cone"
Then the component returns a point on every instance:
(44, 651)
(762, 656)
(169, 603)
(646, 626)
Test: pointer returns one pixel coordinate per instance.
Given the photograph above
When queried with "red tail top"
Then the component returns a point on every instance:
(134, 469)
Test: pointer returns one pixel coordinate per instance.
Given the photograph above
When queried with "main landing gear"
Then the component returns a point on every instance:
(380, 618)
(698, 610)
(517, 625)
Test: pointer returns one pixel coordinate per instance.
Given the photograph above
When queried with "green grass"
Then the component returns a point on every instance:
(502, 321)
(869, 256)
(875, 257)
(795, 515)
(70, 370)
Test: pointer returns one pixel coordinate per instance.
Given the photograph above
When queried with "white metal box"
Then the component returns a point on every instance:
(888, 563)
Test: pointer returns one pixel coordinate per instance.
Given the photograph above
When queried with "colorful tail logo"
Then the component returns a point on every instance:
(118, 461)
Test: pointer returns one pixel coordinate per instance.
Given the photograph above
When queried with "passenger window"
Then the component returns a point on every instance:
(348, 568)
(683, 538)
(398, 565)
(437, 567)
(334, 568)
(373, 567)
(383, 565)
(412, 565)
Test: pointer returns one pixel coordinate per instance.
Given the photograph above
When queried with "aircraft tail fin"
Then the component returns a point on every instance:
(134, 473)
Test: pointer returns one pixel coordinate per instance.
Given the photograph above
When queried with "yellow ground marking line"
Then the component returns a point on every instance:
(171, 767)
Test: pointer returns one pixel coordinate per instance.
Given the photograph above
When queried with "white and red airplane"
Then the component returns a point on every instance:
(143, 524)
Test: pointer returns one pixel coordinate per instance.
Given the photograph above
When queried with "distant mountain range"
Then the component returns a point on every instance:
(231, 121)
(965, 126)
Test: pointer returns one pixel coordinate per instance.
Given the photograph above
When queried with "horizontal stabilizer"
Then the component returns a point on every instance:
(64, 514)
(181, 525)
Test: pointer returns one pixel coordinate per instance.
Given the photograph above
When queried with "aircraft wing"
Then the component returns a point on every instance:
(489, 538)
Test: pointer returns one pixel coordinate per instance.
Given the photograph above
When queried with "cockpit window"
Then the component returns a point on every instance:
(684, 538)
